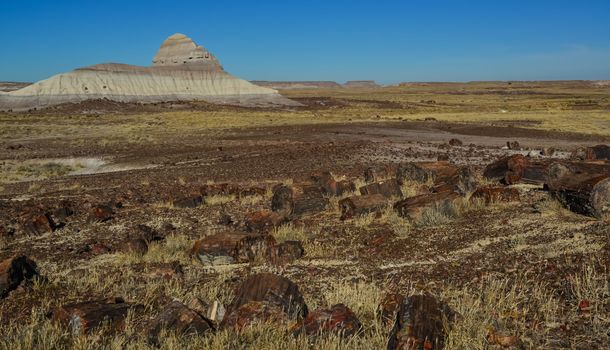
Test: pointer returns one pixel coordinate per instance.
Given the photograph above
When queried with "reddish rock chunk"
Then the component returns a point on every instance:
(38, 224)
(15, 270)
(419, 324)
(264, 220)
(254, 312)
(496, 194)
(360, 205)
(265, 297)
(389, 188)
(388, 308)
(101, 213)
(424, 171)
(296, 201)
(338, 319)
(178, 318)
(82, 318)
(232, 247)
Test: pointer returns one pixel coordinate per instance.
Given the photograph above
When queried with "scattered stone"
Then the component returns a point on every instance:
(225, 219)
(178, 318)
(370, 175)
(232, 247)
(265, 297)
(297, 201)
(149, 234)
(37, 224)
(513, 145)
(339, 319)
(424, 171)
(389, 188)
(492, 194)
(360, 205)
(419, 324)
(85, 317)
(192, 201)
(263, 221)
(166, 271)
(444, 157)
(455, 142)
(599, 152)
(101, 213)
(501, 339)
(14, 271)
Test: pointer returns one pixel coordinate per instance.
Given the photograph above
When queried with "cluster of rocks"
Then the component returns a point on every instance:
(412, 322)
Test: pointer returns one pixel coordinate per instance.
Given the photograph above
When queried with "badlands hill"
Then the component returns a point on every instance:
(181, 70)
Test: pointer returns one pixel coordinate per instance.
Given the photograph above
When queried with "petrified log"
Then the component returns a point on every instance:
(285, 252)
(137, 246)
(463, 181)
(419, 324)
(455, 142)
(327, 183)
(263, 221)
(517, 168)
(388, 188)
(254, 312)
(414, 207)
(583, 194)
(360, 205)
(15, 270)
(424, 171)
(273, 290)
(597, 152)
(82, 318)
(37, 224)
(232, 247)
(339, 319)
(101, 213)
(296, 201)
(388, 308)
(492, 194)
(178, 318)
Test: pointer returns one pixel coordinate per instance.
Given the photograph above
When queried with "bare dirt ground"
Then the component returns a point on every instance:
(521, 269)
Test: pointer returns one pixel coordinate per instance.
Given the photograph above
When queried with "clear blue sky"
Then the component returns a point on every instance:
(389, 41)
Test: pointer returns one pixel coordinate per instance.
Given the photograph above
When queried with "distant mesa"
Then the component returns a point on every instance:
(181, 71)
(360, 84)
(288, 85)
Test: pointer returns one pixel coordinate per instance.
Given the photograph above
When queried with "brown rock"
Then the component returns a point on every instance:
(389, 188)
(15, 270)
(496, 194)
(370, 175)
(38, 224)
(455, 142)
(274, 290)
(232, 247)
(149, 234)
(513, 145)
(263, 221)
(178, 318)
(84, 317)
(388, 308)
(101, 213)
(339, 319)
(360, 205)
(598, 152)
(419, 324)
(254, 312)
(424, 171)
(297, 201)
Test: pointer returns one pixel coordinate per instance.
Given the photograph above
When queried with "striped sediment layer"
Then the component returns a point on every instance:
(181, 71)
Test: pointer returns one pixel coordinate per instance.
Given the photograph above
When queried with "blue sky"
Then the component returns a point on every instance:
(388, 41)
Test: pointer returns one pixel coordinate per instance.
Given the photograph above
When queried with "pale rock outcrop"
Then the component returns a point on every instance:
(181, 70)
